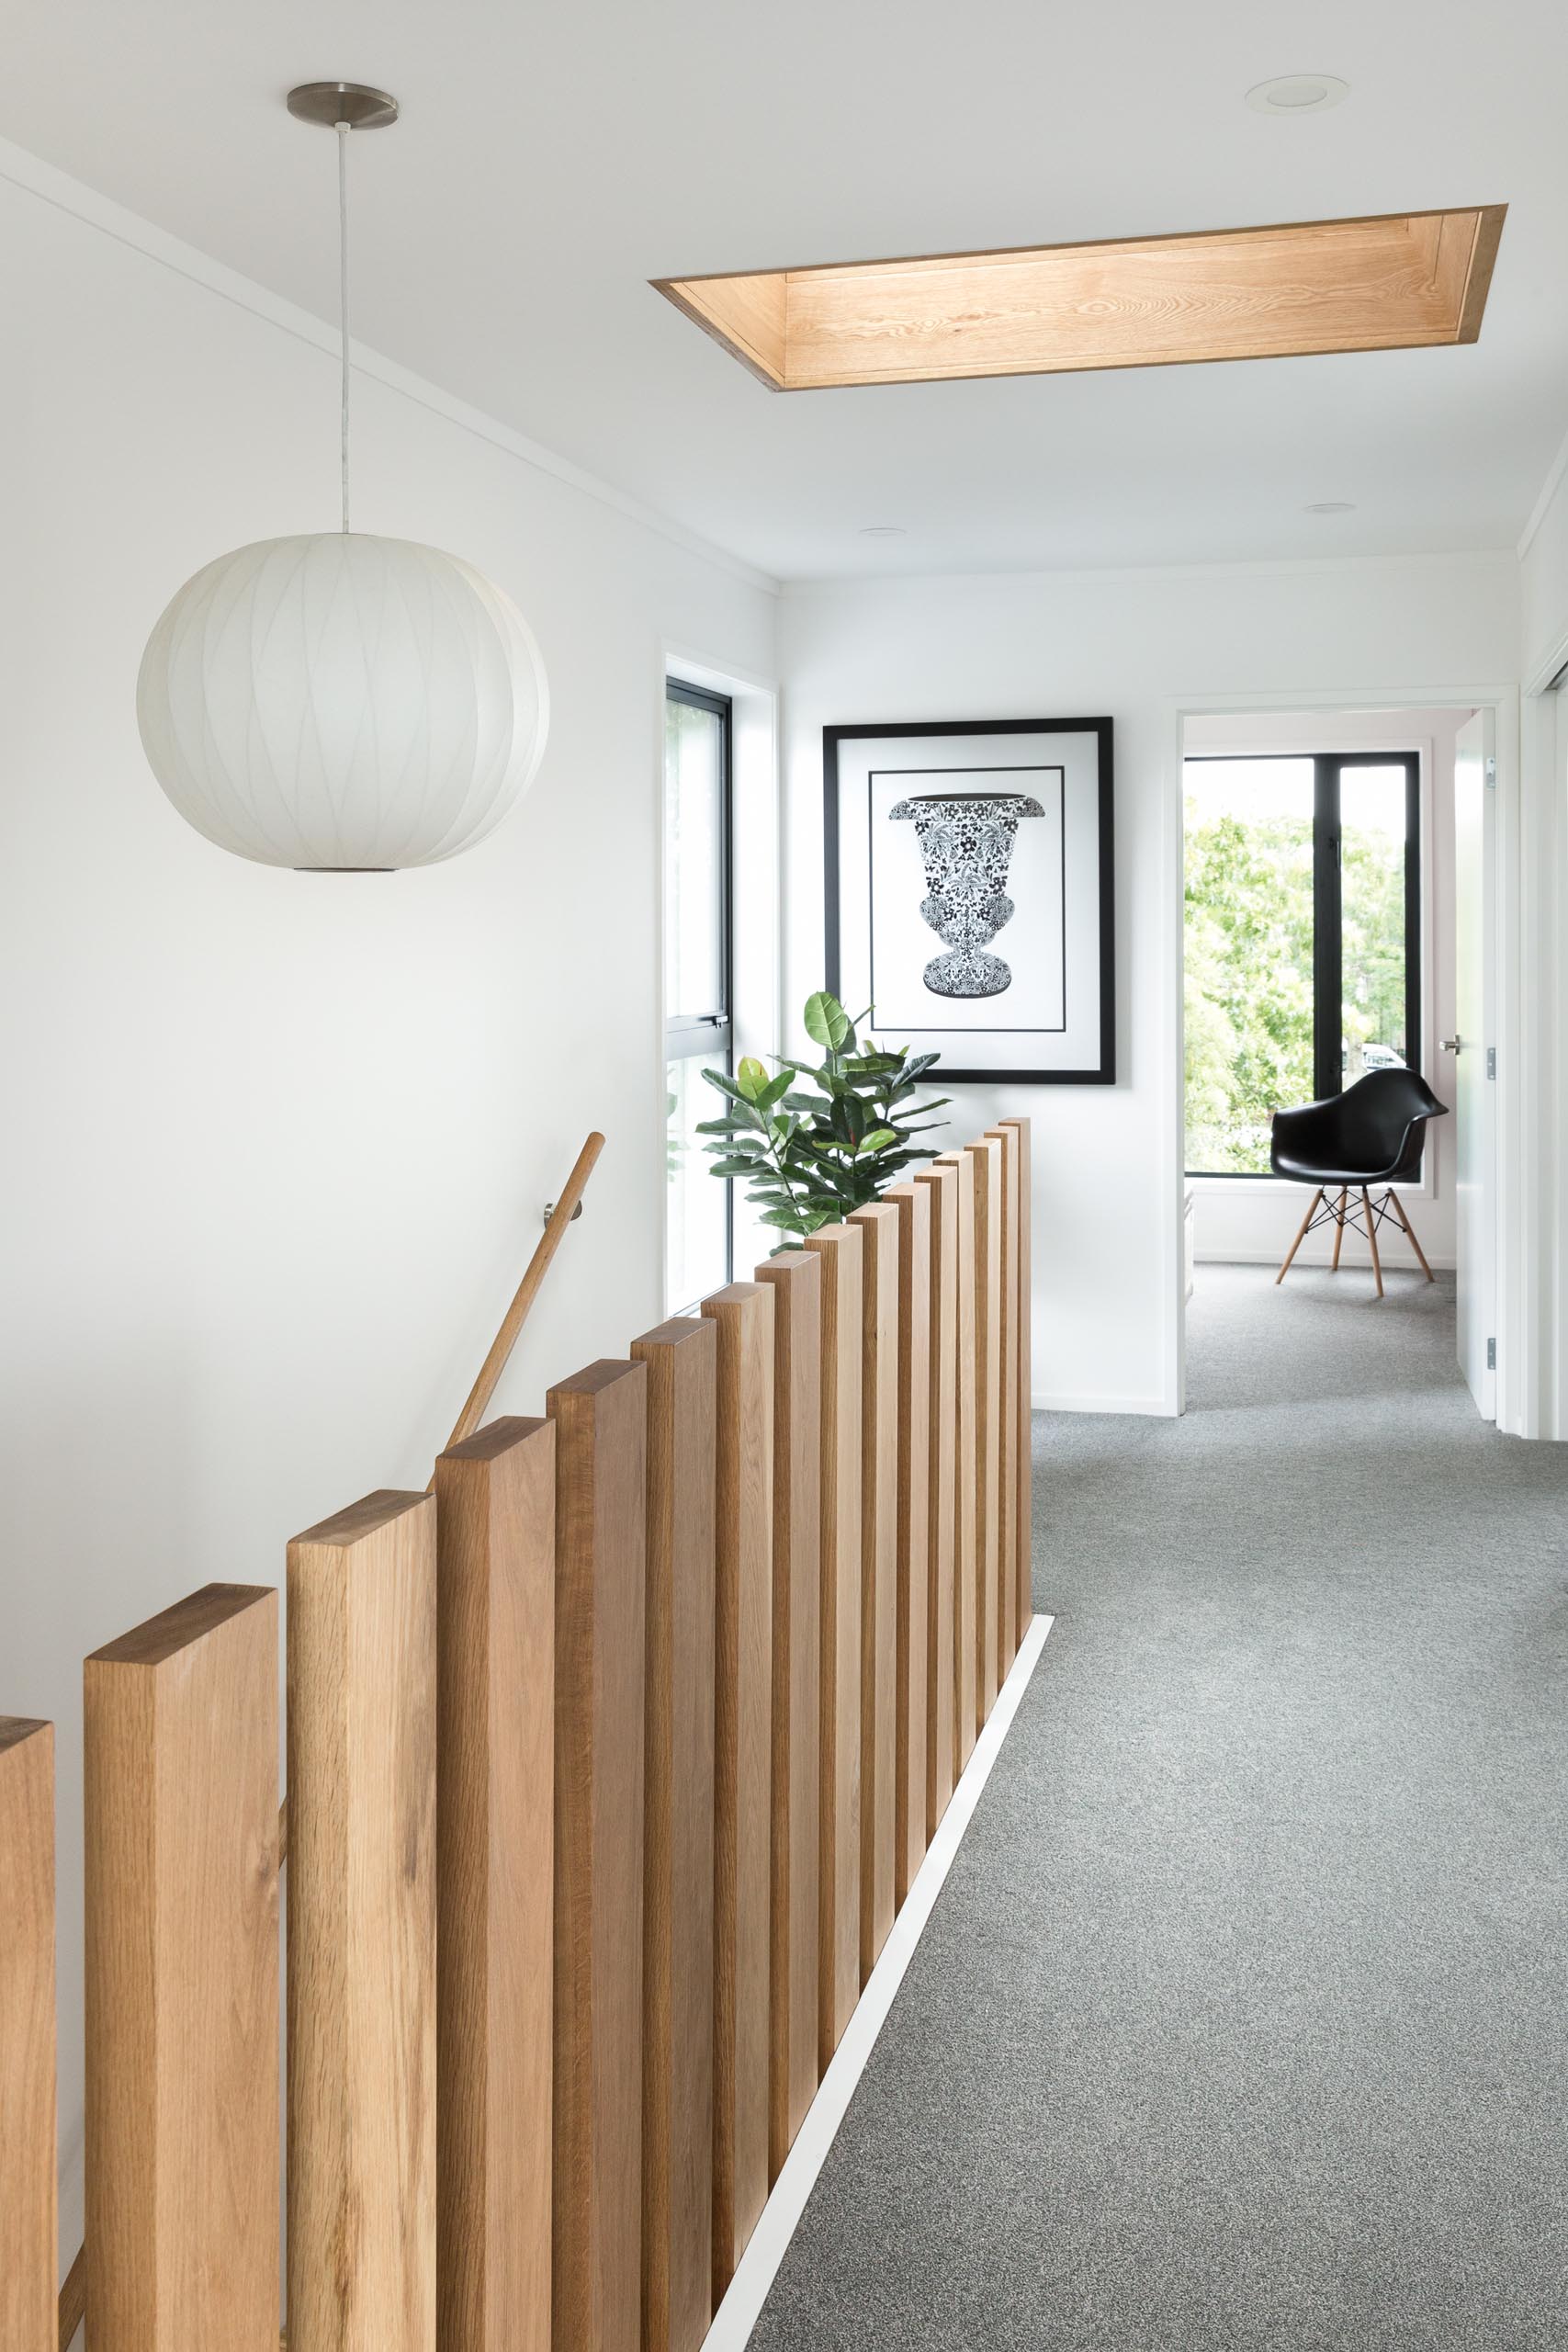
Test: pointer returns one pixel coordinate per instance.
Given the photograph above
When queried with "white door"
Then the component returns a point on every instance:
(1474, 1043)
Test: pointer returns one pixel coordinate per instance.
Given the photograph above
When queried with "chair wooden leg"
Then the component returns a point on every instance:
(1373, 1237)
(1410, 1229)
(1299, 1238)
(1340, 1227)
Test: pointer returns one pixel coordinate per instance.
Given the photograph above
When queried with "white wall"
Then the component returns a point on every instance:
(278, 1144)
(1243, 1219)
(1140, 645)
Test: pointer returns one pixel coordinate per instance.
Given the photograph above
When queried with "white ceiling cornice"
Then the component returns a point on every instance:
(1309, 567)
(38, 178)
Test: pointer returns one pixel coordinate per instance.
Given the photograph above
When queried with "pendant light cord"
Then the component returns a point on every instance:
(342, 130)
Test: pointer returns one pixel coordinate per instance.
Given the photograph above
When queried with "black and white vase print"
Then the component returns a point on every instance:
(966, 842)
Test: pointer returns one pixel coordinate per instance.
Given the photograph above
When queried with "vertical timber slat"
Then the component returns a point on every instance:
(743, 1646)
(794, 1277)
(28, 2160)
(879, 1577)
(1021, 1127)
(601, 1417)
(987, 1155)
(913, 1203)
(1009, 1630)
(841, 1249)
(965, 1604)
(678, 1861)
(942, 1183)
(495, 1496)
(362, 2024)
(180, 1731)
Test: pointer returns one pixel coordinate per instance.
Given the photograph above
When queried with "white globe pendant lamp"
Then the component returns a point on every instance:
(337, 702)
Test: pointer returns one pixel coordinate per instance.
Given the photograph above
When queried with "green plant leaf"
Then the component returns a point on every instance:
(827, 1023)
(878, 1140)
(733, 1167)
(849, 1119)
(728, 1085)
(751, 1078)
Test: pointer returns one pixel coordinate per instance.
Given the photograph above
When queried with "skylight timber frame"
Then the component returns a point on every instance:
(1388, 282)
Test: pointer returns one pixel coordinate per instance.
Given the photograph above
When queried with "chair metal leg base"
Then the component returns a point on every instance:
(1363, 1216)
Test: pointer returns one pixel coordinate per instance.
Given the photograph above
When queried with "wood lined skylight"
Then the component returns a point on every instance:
(1399, 281)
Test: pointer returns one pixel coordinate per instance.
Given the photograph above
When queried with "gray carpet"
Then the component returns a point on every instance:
(1243, 2018)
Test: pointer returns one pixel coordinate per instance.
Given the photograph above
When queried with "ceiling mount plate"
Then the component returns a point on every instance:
(329, 103)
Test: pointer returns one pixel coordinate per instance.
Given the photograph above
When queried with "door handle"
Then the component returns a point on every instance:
(1450, 1045)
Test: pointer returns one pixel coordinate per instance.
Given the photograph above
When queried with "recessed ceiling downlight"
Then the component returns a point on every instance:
(883, 531)
(1298, 94)
(1330, 507)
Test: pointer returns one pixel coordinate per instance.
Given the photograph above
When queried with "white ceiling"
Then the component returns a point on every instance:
(553, 159)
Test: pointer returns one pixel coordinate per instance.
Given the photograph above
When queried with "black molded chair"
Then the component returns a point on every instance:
(1371, 1135)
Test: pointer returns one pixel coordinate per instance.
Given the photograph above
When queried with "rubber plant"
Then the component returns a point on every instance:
(810, 1142)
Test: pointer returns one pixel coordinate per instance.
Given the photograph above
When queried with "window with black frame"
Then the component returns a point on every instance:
(697, 1023)
(1302, 938)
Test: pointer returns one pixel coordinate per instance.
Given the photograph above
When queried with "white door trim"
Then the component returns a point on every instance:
(1517, 1401)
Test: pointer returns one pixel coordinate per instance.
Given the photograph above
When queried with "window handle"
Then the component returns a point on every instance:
(1450, 1045)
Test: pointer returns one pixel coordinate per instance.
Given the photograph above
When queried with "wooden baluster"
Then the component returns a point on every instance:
(912, 1481)
(743, 1646)
(987, 1155)
(678, 1866)
(1008, 1630)
(879, 1577)
(941, 1683)
(180, 1736)
(841, 1251)
(28, 2159)
(362, 2008)
(1025, 1380)
(966, 1598)
(495, 1503)
(796, 1280)
(601, 1417)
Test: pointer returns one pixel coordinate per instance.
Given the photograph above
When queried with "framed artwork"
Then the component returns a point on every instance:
(970, 893)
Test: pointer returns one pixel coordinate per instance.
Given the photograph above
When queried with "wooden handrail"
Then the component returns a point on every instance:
(561, 1214)
(74, 2299)
(563, 1211)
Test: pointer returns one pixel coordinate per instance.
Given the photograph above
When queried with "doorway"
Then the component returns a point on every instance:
(1321, 911)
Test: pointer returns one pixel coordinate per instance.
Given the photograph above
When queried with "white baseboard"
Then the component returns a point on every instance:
(741, 2308)
(1101, 1405)
(1394, 1262)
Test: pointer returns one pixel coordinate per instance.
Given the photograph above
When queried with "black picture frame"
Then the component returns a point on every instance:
(1104, 1073)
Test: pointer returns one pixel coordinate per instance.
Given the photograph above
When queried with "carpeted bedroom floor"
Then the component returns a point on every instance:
(1241, 2020)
